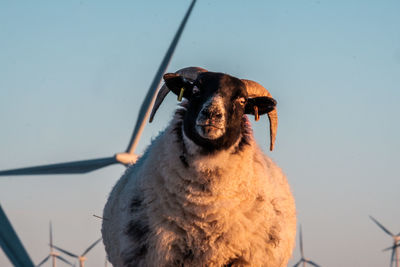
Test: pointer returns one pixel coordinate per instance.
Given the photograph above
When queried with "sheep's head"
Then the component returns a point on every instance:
(216, 105)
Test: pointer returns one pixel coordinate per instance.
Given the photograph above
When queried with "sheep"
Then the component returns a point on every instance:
(204, 193)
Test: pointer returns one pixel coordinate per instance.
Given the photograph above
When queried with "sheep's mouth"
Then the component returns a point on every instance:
(209, 131)
(211, 126)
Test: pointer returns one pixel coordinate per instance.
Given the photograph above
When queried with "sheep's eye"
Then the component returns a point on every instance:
(242, 101)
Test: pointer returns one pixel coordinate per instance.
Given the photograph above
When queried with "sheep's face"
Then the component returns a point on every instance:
(213, 118)
(216, 107)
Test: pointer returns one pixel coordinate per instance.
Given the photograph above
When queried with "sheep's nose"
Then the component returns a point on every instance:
(218, 115)
(208, 113)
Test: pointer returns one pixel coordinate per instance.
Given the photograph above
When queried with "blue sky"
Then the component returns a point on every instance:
(73, 75)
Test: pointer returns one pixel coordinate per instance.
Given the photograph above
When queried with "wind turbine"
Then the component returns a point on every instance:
(52, 254)
(303, 259)
(81, 257)
(396, 243)
(128, 157)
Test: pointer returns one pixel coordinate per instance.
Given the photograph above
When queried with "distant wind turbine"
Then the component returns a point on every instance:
(303, 259)
(52, 254)
(394, 247)
(128, 157)
(81, 257)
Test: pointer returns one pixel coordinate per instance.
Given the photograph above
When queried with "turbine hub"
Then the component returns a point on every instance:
(126, 158)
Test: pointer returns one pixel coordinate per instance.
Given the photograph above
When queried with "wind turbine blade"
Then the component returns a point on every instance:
(66, 252)
(91, 246)
(11, 244)
(391, 247)
(381, 226)
(64, 260)
(43, 261)
(301, 244)
(298, 263)
(74, 167)
(51, 235)
(313, 263)
(392, 257)
(149, 99)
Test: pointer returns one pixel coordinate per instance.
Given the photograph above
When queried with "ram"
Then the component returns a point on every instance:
(203, 193)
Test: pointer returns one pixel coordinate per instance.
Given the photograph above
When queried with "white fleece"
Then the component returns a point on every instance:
(224, 209)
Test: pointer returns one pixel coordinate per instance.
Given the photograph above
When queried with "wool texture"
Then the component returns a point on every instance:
(179, 207)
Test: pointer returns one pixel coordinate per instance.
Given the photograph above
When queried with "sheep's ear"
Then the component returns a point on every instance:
(178, 84)
(259, 105)
(175, 83)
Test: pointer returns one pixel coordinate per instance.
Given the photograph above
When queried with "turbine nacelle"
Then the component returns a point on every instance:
(126, 158)
(54, 254)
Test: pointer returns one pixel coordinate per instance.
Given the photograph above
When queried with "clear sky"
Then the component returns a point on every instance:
(73, 75)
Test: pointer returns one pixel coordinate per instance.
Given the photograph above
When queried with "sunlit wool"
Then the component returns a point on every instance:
(229, 208)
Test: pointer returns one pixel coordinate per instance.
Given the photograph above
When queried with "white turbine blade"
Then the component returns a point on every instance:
(91, 246)
(298, 263)
(64, 260)
(312, 263)
(391, 247)
(51, 235)
(43, 261)
(149, 99)
(392, 257)
(11, 244)
(301, 244)
(66, 252)
(381, 226)
(74, 167)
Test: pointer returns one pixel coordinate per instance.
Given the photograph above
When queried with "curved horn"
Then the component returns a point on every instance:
(255, 89)
(189, 73)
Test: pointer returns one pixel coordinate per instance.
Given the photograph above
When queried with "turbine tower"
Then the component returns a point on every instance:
(128, 157)
(81, 257)
(52, 254)
(396, 243)
(303, 259)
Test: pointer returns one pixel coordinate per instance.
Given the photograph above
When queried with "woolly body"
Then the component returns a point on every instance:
(179, 207)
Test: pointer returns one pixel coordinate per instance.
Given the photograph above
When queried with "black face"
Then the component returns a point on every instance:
(214, 115)
(216, 105)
